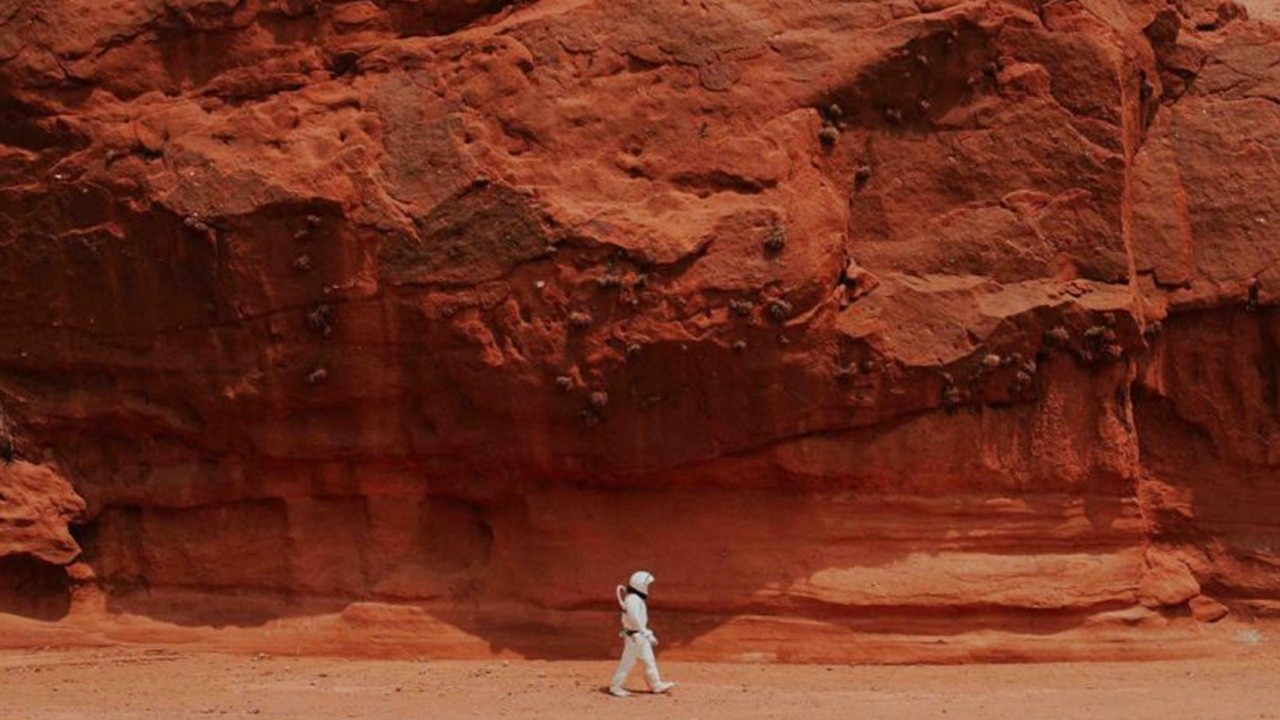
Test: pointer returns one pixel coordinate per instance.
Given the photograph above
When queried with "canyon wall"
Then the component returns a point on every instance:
(884, 331)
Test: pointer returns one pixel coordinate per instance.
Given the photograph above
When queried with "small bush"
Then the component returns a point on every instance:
(779, 310)
(320, 320)
(776, 240)
(1058, 336)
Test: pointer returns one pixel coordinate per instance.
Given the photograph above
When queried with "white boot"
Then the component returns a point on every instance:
(662, 687)
(618, 692)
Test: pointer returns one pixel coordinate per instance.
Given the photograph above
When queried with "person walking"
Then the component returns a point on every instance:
(638, 640)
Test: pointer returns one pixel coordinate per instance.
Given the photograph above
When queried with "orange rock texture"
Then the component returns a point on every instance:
(890, 330)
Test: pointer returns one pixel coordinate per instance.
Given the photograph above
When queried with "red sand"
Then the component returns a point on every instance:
(910, 330)
(139, 684)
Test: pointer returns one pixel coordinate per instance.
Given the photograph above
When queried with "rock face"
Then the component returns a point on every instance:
(881, 331)
(36, 508)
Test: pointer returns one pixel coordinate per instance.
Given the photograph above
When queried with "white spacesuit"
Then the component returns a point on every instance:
(637, 639)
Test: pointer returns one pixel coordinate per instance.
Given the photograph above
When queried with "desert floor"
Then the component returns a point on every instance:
(110, 684)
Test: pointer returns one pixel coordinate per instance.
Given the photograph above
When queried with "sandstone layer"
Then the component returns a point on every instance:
(878, 331)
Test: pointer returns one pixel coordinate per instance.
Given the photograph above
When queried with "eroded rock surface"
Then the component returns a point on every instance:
(896, 330)
(37, 508)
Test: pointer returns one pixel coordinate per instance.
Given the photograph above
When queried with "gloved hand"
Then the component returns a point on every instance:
(653, 639)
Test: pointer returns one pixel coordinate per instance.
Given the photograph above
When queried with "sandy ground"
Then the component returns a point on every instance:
(131, 683)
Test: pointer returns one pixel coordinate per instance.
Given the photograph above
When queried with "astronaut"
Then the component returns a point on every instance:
(637, 639)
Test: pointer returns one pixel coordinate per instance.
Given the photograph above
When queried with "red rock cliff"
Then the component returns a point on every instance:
(901, 330)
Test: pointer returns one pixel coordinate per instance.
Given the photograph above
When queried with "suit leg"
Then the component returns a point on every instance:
(630, 652)
(650, 663)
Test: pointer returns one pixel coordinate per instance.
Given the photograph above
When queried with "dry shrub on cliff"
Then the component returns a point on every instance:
(320, 320)
(776, 240)
(579, 319)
